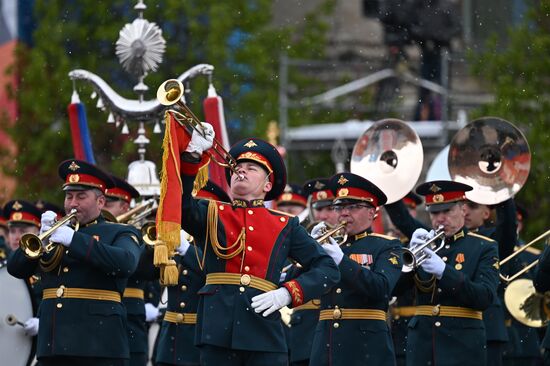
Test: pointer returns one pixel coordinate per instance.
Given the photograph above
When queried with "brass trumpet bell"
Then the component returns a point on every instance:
(335, 233)
(149, 233)
(390, 155)
(170, 93)
(31, 244)
(491, 155)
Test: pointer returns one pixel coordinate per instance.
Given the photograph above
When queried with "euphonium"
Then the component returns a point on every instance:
(413, 258)
(31, 244)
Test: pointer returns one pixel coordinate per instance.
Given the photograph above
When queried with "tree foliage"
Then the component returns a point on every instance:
(518, 74)
(236, 36)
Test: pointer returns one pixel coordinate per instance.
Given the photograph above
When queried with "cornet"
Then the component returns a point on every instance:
(333, 233)
(413, 258)
(31, 244)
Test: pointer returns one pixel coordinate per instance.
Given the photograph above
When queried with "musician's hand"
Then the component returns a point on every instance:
(282, 277)
(419, 237)
(318, 230)
(63, 235)
(47, 221)
(334, 250)
(271, 301)
(200, 143)
(31, 327)
(184, 244)
(433, 264)
(151, 312)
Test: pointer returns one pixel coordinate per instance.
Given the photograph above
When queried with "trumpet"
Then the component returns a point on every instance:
(413, 258)
(149, 233)
(31, 244)
(169, 93)
(526, 268)
(142, 210)
(333, 233)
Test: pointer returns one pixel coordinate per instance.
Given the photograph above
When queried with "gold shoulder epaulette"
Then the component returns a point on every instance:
(532, 250)
(389, 237)
(482, 237)
(281, 212)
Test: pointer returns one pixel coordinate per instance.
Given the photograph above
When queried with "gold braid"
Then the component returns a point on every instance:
(212, 234)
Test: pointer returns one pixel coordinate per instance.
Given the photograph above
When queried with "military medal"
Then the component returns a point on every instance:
(459, 260)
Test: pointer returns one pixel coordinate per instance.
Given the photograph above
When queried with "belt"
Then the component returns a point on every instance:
(450, 311)
(133, 292)
(310, 305)
(240, 280)
(180, 318)
(80, 293)
(337, 314)
(405, 311)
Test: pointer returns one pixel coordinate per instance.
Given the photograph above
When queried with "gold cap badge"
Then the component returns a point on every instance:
(74, 166)
(435, 188)
(342, 180)
(17, 206)
(250, 144)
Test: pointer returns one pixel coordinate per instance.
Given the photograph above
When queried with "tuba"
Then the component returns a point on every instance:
(390, 155)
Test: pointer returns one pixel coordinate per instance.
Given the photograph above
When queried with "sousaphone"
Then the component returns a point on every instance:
(491, 155)
(390, 155)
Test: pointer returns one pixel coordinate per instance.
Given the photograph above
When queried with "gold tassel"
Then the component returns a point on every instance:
(160, 257)
(201, 178)
(169, 274)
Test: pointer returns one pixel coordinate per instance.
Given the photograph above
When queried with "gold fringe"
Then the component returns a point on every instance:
(169, 274)
(201, 178)
(160, 257)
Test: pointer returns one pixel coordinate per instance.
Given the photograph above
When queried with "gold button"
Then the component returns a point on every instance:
(337, 313)
(182, 304)
(251, 228)
(183, 288)
(59, 306)
(185, 272)
(435, 310)
(439, 290)
(241, 289)
(67, 251)
(444, 259)
(338, 290)
(245, 280)
(59, 292)
(437, 324)
(65, 269)
(250, 212)
(247, 268)
(316, 301)
(221, 207)
(249, 248)
(179, 318)
(336, 325)
(283, 219)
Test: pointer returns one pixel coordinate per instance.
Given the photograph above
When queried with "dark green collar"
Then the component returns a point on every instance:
(459, 234)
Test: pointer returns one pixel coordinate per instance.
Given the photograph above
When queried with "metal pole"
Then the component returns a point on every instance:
(467, 21)
(445, 68)
(283, 100)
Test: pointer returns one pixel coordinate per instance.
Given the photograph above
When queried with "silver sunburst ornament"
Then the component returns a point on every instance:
(140, 47)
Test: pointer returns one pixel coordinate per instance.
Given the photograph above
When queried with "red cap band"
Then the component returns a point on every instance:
(84, 180)
(444, 197)
(356, 194)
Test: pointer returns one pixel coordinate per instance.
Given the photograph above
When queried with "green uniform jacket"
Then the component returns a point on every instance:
(101, 256)
(369, 270)
(470, 280)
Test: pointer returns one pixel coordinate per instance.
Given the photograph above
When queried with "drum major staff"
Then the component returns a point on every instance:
(82, 319)
(245, 250)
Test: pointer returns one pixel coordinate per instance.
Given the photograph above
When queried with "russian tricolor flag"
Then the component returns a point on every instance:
(82, 144)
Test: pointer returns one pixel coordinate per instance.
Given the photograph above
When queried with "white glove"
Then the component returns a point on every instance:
(199, 143)
(47, 221)
(334, 250)
(151, 312)
(419, 237)
(184, 244)
(272, 301)
(434, 264)
(63, 235)
(318, 230)
(31, 327)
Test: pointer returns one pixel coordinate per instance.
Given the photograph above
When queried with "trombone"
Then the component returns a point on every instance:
(413, 258)
(31, 244)
(142, 210)
(527, 268)
(170, 93)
